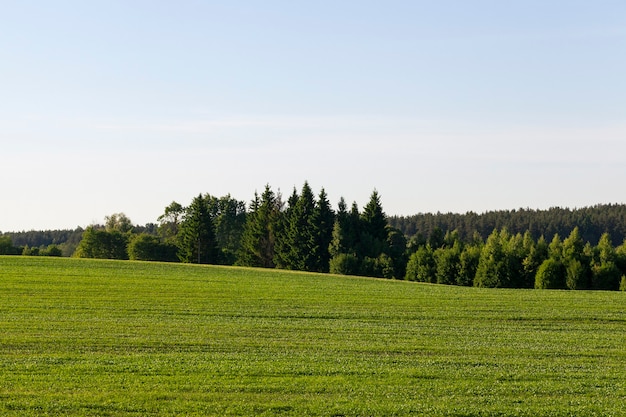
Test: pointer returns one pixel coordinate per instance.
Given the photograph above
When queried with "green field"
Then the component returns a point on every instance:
(87, 337)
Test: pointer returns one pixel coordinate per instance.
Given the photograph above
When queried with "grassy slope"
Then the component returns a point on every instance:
(85, 337)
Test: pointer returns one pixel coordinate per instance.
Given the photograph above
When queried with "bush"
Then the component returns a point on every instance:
(145, 247)
(550, 275)
(344, 264)
(606, 276)
(421, 266)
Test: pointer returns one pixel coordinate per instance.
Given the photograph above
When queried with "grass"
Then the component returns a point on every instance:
(106, 338)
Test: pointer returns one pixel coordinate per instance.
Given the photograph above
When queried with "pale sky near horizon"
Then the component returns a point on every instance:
(452, 106)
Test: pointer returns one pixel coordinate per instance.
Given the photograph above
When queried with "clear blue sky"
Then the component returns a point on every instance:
(453, 105)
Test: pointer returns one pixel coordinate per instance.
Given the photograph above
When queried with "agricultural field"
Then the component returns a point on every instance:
(120, 338)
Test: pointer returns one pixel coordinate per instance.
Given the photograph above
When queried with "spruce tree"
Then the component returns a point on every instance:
(197, 242)
(282, 247)
(301, 233)
(374, 220)
(258, 238)
(323, 221)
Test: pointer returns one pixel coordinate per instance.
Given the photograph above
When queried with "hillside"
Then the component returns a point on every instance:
(95, 337)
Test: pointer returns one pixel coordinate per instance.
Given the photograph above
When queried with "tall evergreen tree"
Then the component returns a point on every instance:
(353, 231)
(282, 246)
(374, 219)
(338, 242)
(229, 217)
(259, 235)
(301, 233)
(323, 220)
(197, 243)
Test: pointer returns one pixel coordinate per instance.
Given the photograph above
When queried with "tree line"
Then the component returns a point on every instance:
(592, 222)
(509, 260)
(305, 233)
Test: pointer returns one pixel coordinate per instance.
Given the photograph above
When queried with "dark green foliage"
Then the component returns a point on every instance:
(259, 235)
(169, 222)
(26, 251)
(145, 247)
(102, 244)
(65, 240)
(374, 220)
(380, 267)
(196, 237)
(51, 250)
(305, 232)
(345, 264)
(591, 221)
(229, 218)
(468, 264)
(396, 246)
(299, 235)
(323, 220)
(448, 264)
(436, 239)
(379, 249)
(282, 245)
(307, 235)
(345, 231)
(536, 253)
(605, 276)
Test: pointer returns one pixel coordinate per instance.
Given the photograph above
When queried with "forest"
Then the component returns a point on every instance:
(555, 248)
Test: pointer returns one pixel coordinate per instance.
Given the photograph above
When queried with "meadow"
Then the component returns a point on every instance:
(121, 338)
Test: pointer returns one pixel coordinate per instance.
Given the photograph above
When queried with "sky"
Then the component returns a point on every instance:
(441, 106)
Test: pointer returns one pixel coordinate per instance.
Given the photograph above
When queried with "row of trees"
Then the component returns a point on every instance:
(308, 235)
(304, 233)
(519, 261)
(592, 222)
(7, 248)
